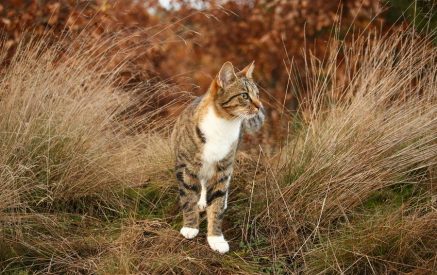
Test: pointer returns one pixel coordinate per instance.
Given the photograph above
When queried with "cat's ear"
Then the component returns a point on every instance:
(248, 70)
(226, 75)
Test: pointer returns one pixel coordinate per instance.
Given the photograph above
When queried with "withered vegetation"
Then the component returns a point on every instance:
(87, 186)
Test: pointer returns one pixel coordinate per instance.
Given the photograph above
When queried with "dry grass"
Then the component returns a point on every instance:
(64, 151)
(153, 247)
(376, 133)
(393, 241)
(351, 191)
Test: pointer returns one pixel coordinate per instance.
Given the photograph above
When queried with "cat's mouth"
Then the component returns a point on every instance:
(254, 113)
(250, 115)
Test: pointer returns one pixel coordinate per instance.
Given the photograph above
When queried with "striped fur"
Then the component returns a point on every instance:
(205, 139)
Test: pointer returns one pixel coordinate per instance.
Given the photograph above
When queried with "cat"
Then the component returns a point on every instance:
(205, 138)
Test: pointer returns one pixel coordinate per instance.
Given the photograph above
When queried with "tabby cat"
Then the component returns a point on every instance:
(205, 139)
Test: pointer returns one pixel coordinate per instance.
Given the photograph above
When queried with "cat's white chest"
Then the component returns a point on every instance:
(220, 135)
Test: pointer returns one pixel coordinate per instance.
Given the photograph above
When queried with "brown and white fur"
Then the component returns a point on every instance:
(205, 139)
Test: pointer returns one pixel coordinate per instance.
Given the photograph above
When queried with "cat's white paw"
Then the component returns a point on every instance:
(202, 204)
(218, 243)
(189, 233)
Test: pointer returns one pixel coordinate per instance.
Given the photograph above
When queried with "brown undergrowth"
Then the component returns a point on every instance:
(86, 179)
(354, 189)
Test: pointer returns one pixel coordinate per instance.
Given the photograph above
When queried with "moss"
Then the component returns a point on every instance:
(392, 197)
(153, 201)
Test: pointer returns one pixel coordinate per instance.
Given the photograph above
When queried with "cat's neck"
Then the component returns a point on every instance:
(215, 121)
(215, 116)
(220, 134)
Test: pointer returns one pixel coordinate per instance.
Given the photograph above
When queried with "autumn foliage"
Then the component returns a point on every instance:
(185, 43)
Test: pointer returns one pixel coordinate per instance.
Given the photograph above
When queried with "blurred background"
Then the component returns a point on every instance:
(184, 42)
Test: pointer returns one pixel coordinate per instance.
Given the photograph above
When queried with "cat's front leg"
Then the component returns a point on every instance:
(189, 188)
(225, 206)
(224, 172)
(215, 237)
(216, 200)
(202, 203)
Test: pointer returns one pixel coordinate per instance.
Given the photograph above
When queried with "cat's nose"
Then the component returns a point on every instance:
(257, 104)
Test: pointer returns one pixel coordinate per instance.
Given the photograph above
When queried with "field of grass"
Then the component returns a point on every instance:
(350, 189)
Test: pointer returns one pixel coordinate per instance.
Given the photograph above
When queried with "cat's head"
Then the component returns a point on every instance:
(236, 94)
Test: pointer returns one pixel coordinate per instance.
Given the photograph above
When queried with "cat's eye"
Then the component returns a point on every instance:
(245, 95)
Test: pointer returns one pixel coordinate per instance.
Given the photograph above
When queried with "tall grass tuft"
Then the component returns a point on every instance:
(372, 132)
(65, 153)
